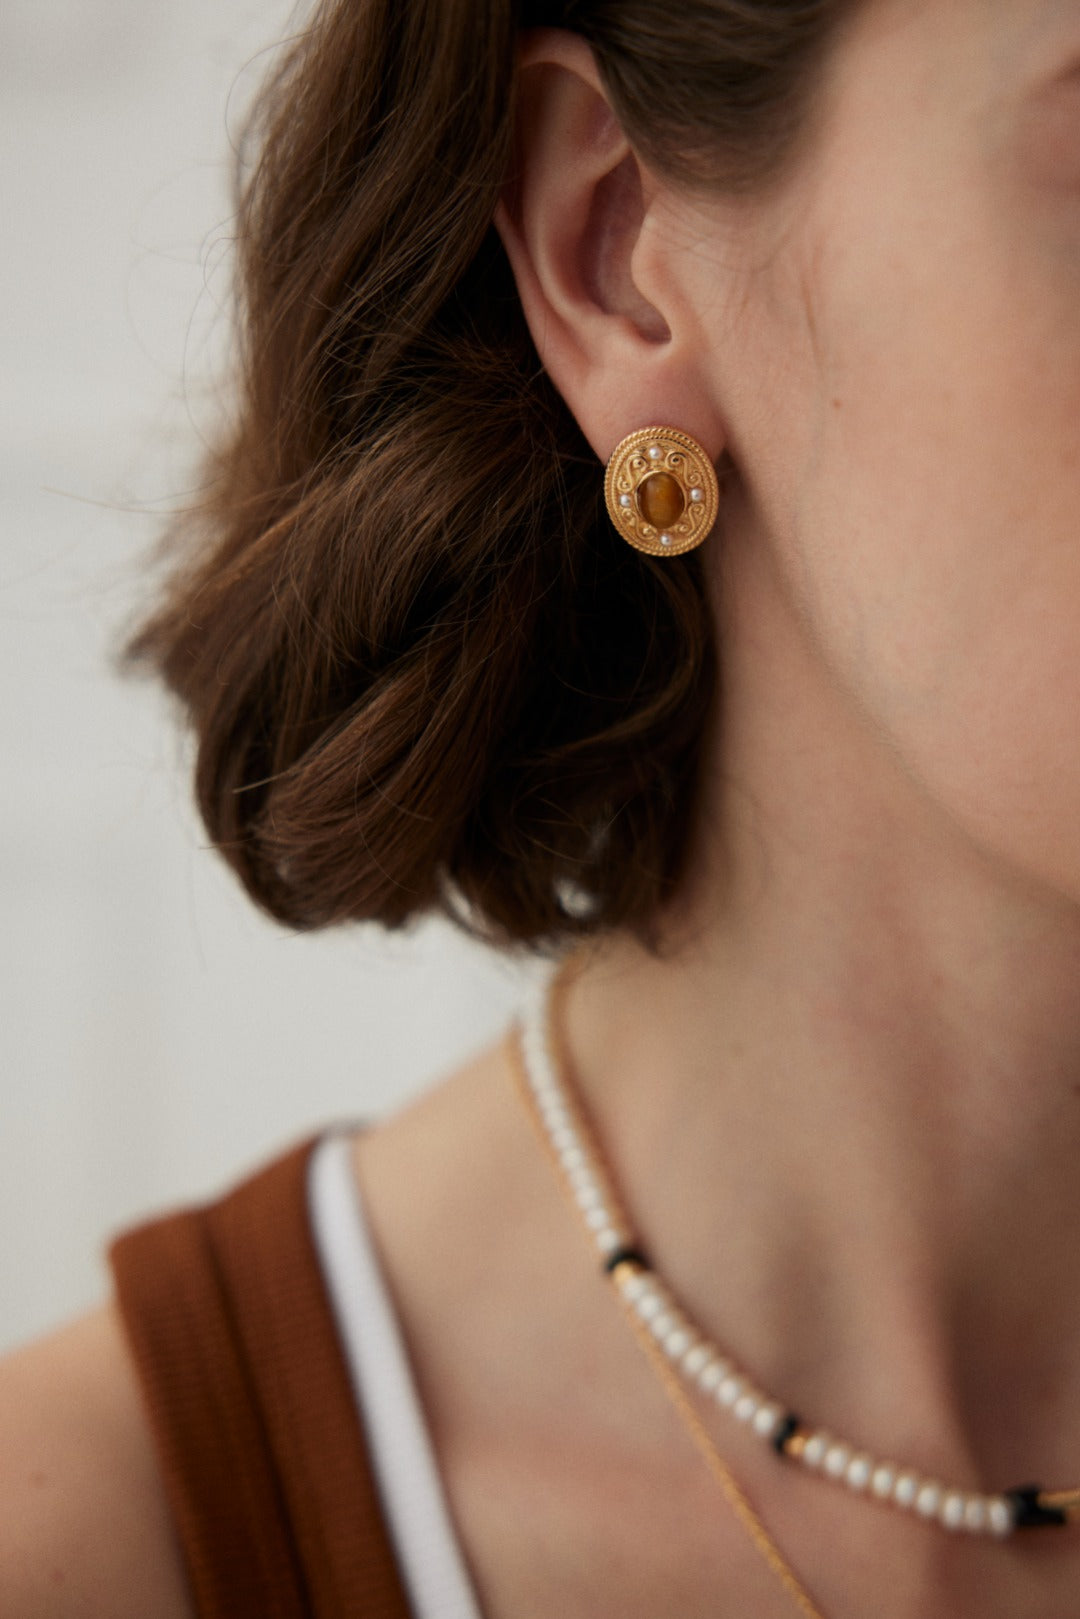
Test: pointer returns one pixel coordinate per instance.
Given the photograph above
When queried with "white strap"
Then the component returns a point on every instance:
(403, 1461)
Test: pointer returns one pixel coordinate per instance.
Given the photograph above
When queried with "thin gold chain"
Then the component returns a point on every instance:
(721, 1472)
(737, 1500)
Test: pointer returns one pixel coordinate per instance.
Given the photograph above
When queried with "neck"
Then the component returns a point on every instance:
(843, 1100)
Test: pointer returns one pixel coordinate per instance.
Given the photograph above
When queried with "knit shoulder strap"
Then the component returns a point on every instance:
(261, 1447)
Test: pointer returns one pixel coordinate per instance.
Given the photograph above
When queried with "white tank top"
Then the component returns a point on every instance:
(403, 1460)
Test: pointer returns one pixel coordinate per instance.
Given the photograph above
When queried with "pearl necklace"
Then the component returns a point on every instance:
(715, 1374)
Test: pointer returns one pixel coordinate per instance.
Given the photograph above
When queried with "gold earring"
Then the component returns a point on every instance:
(661, 491)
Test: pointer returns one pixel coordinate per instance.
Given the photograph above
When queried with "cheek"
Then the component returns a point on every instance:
(935, 534)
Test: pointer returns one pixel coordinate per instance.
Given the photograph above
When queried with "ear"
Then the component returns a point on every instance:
(581, 224)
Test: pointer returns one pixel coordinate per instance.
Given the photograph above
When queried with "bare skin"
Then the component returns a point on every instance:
(844, 1104)
(85, 1531)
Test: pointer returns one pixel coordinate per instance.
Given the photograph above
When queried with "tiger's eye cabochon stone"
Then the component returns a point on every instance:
(660, 499)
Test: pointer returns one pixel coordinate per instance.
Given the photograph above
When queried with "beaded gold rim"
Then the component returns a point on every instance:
(661, 491)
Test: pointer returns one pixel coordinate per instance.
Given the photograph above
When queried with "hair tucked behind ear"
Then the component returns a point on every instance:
(422, 670)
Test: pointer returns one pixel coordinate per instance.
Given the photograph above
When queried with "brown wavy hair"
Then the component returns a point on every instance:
(422, 669)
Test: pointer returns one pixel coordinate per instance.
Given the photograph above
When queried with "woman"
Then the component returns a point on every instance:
(807, 793)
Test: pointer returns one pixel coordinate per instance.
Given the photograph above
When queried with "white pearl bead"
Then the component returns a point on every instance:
(768, 1419)
(813, 1453)
(732, 1389)
(747, 1407)
(836, 1460)
(579, 1181)
(655, 452)
(597, 1219)
(662, 1324)
(697, 1360)
(574, 1162)
(632, 1284)
(563, 1138)
(665, 539)
(906, 1489)
(712, 1374)
(677, 1343)
(928, 1500)
(588, 1196)
(999, 1516)
(532, 1037)
(697, 495)
(952, 1509)
(649, 1304)
(544, 1080)
(624, 500)
(884, 1481)
(858, 1472)
(609, 1241)
(975, 1514)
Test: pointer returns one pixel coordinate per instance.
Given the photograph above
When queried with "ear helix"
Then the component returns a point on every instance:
(661, 491)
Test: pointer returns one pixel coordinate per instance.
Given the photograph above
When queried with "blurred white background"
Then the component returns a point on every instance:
(157, 1037)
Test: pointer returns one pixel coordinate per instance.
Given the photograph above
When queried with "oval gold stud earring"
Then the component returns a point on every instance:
(661, 491)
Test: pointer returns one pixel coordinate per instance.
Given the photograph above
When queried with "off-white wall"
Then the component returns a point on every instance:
(156, 1035)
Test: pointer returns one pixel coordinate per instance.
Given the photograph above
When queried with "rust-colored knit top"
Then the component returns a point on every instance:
(261, 1446)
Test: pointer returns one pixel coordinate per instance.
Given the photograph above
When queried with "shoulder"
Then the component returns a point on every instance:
(86, 1528)
(447, 1179)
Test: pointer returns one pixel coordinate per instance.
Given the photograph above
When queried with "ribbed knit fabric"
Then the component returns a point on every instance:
(261, 1448)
